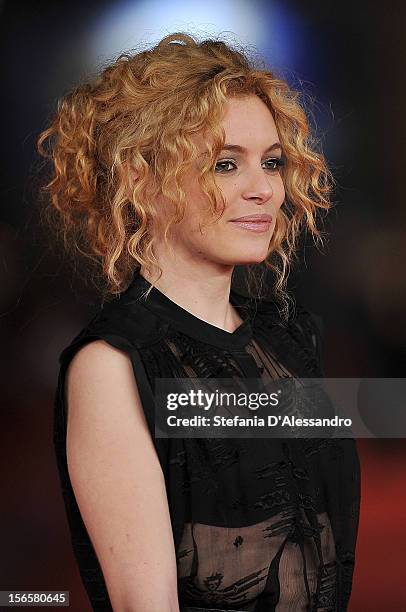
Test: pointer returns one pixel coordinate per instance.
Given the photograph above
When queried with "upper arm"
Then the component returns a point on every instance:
(118, 482)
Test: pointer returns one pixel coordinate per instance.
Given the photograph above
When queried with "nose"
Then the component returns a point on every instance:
(258, 186)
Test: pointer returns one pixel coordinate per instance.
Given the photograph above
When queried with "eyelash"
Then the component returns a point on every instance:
(280, 161)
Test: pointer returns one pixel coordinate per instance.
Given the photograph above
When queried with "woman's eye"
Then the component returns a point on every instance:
(277, 162)
(223, 167)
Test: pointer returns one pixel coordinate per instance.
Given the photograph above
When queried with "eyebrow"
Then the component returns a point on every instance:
(232, 147)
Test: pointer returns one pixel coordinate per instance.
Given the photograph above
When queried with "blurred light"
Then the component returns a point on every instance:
(264, 25)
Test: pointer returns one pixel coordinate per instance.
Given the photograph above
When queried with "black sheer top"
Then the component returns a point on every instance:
(258, 524)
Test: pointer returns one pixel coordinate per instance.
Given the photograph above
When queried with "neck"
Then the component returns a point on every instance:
(202, 288)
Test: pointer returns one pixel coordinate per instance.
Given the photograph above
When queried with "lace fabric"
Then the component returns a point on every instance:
(258, 524)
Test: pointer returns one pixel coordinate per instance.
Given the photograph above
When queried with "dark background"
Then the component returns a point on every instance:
(352, 56)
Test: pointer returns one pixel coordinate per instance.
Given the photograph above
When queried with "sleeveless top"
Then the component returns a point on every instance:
(258, 524)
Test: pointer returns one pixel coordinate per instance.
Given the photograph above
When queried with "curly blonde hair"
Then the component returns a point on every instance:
(137, 119)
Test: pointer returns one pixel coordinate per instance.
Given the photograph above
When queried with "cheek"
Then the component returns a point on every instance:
(229, 189)
(196, 216)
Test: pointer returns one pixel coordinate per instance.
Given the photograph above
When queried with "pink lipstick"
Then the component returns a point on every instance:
(259, 223)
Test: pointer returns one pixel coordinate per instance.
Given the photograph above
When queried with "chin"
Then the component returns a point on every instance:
(244, 258)
(254, 255)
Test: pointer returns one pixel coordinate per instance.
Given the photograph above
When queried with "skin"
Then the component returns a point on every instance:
(197, 276)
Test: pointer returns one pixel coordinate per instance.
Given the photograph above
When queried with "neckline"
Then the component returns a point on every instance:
(188, 323)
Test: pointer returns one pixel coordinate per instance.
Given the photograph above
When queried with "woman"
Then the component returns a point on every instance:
(178, 164)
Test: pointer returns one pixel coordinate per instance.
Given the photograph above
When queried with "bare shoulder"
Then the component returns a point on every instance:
(97, 357)
(101, 386)
(94, 361)
(102, 397)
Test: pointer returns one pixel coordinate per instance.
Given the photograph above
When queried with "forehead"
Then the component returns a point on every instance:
(248, 122)
(248, 117)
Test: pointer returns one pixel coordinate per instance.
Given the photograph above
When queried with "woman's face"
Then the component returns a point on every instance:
(248, 174)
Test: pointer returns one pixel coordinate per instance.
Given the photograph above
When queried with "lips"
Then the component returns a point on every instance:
(259, 224)
(260, 218)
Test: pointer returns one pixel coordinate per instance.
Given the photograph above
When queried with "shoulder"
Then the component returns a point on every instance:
(123, 323)
(306, 325)
(298, 331)
(297, 319)
(100, 372)
(94, 359)
(101, 387)
(128, 318)
(104, 361)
